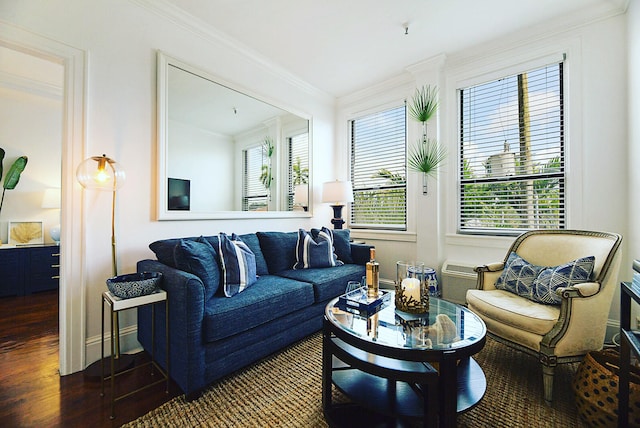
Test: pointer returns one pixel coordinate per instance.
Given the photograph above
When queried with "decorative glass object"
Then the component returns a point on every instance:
(431, 279)
(412, 293)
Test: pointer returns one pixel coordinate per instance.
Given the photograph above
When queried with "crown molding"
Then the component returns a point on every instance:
(402, 82)
(206, 31)
(528, 36)
(35, 87)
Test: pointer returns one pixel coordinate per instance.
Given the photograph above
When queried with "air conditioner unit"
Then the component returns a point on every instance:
(457, 278)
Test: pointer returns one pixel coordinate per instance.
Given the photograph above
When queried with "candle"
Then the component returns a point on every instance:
(411, 288)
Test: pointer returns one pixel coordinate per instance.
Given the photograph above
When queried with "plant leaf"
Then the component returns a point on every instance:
(424, 103)
(13, 176)
(426, 157)
(1, 161)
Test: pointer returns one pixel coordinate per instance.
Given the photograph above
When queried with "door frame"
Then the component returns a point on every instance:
(72, 296)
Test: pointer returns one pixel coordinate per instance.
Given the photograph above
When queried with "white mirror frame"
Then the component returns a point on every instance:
(163, 213)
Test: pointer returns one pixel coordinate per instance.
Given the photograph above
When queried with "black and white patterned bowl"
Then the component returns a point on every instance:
(134, 284)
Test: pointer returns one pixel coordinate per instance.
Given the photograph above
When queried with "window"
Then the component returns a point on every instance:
(512, 153)
(255, 196)
(298, 165)
(378, 170)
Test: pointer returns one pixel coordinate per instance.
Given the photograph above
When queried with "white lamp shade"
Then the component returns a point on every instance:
(51, 198)
(337, 192)
(101, 173)
(301, 195)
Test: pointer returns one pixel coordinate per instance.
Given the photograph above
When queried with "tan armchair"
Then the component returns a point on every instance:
(554, 333)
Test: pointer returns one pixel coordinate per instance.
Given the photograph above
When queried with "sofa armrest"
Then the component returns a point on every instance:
(185, 296)
(488, 274)
(360, 253)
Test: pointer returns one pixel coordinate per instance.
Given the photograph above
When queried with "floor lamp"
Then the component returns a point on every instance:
(104, 173)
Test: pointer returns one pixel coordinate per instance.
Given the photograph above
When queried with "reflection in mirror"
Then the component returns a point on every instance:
(225, 154)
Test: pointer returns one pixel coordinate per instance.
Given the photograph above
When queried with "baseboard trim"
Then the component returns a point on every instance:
(128, 344)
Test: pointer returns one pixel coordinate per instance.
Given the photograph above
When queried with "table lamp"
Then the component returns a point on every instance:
(51, 200)
(337, 193)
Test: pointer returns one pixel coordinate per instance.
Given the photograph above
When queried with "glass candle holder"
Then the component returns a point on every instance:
(412, 293)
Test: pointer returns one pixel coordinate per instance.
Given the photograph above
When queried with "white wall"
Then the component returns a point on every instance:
(215, 160)
(30, 125)
(121, 38)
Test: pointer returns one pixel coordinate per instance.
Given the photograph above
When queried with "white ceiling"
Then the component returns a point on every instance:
(340, 46)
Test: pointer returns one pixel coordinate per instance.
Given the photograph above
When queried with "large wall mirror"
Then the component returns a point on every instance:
(225, 153)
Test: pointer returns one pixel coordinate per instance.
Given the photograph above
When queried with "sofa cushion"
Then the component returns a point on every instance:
(327, 283)
(164, 250)
(315, 252)
(251, 239)
(566, 275)
(341, 243)
(238, 264)
(268, 299)
(279, 249)
(199, 258)
(511, 310)
(254, 245)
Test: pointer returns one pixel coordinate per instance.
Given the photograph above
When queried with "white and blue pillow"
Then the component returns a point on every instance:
(315, 252)
(539, 283)
(518, 276)
(566, 275)
(238, 264)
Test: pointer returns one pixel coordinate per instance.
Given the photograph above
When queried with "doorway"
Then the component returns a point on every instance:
(71, 146)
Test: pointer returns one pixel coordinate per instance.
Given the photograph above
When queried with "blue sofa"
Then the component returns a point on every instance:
(212, 335)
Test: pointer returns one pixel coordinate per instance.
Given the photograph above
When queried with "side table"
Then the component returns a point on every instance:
(629, 343)
(116, 305)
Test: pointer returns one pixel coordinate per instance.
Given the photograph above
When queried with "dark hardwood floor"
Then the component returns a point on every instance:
(32, 392)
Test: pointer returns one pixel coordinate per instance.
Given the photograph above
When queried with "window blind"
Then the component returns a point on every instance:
(512, 163)
(378, 170)
(254, 195)
(298, 159)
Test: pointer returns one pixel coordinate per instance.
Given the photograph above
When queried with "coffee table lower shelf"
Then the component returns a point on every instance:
(379, 401)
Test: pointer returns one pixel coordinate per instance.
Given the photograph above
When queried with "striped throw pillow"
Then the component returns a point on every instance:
(315, 253)
(238, 264)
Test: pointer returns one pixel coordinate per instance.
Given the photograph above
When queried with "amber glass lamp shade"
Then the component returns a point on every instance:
(100, 173)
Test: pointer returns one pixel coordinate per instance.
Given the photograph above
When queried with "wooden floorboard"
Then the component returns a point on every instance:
(32, 392)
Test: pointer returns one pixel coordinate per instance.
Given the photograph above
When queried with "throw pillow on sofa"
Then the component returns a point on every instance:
(238, 264)
(279, 249)
(341, 243)
(199, 258)
(315, 253)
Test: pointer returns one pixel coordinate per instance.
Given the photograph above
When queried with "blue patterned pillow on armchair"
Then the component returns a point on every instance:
(539, 283)
(518, 276)
(566, 275)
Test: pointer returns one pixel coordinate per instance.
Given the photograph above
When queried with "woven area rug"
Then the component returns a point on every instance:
(284, 390)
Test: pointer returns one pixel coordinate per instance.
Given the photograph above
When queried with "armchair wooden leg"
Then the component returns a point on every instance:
(547, 382)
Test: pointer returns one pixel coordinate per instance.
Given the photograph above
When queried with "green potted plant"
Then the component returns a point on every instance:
(13, 175)
(426, 156)
(300, 175)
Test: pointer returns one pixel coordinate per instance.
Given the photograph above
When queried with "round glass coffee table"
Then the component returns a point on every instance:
(393, 366)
